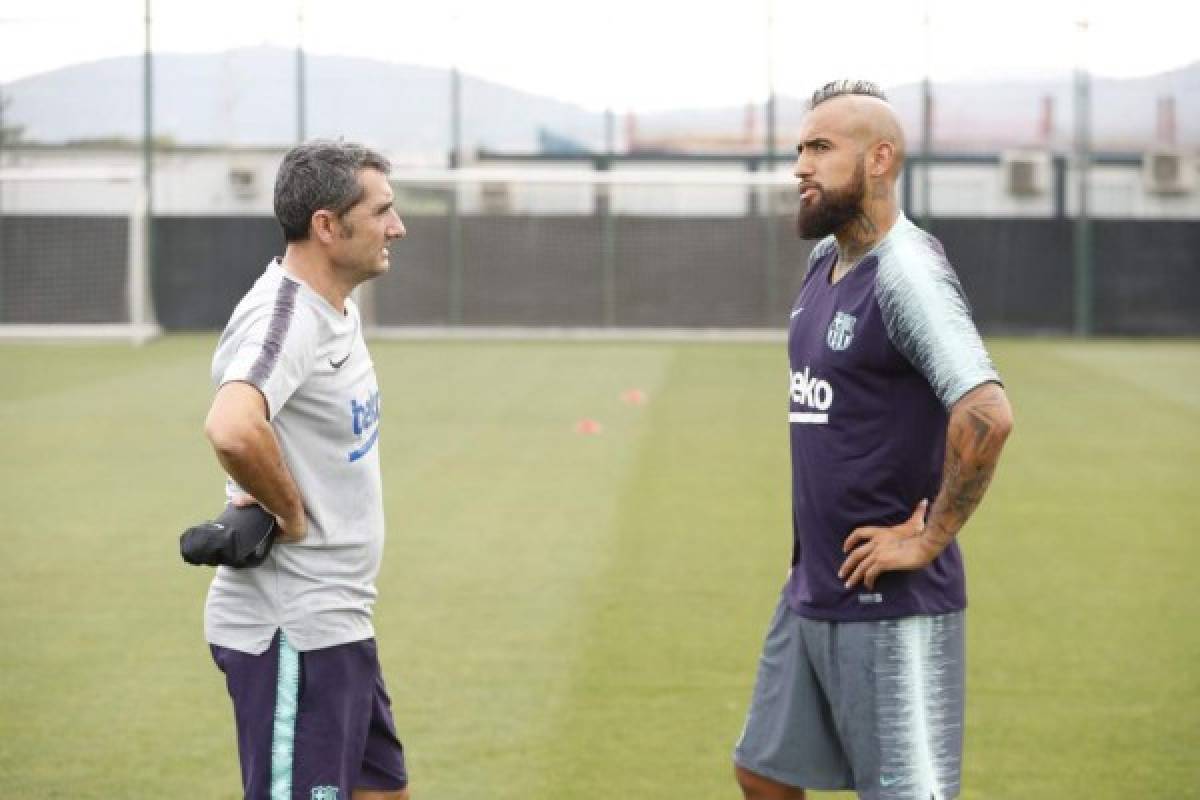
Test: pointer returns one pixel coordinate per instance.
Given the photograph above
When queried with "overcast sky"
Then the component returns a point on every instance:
(636, 54)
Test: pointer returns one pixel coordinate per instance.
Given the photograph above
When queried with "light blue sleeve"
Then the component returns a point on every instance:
(926, 314)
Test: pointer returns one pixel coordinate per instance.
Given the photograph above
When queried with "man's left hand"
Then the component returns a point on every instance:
(874, 550)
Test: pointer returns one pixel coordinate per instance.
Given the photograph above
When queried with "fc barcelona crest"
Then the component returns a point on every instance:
(841, 331)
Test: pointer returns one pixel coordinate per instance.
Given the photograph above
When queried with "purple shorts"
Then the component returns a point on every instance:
(312, 725)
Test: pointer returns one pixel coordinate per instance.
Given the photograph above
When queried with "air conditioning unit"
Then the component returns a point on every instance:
(244, 182)
(1168, 172)
(1026, 173)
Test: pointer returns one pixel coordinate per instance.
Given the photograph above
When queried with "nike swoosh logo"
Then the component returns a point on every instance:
(338, 364)
(796, 313)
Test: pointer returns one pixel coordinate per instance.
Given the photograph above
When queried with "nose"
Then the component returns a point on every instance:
(802, 168)
(396, 230)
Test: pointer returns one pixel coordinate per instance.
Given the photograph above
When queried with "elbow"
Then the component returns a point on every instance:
(1006, 419)
(985, 416)
(237, 422)
(1004, 428)
(229, 440)
(1002, 421)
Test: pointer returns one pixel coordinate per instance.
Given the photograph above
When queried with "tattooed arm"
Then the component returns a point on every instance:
(979, 425)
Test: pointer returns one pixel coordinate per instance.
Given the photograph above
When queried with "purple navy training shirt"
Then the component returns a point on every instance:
(876, 360)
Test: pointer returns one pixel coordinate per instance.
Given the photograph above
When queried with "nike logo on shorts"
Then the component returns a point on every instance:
(338, 364)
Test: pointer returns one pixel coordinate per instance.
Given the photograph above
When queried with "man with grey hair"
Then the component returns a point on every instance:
(295, 424)
(897, 419)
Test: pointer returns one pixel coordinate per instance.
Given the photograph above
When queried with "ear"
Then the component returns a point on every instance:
(323, 226)
(882, 158)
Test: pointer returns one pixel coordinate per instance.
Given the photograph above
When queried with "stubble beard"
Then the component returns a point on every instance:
(834, 209)
(368, 266)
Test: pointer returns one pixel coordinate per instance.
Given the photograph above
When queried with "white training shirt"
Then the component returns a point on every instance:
(311, 364)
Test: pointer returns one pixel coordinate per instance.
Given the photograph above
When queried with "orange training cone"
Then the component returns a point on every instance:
(633, 397)
(588, 427)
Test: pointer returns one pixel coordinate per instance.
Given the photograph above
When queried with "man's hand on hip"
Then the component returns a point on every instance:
(876, 550)
(288, 530)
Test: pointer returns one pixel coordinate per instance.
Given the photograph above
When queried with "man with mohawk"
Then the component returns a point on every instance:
(897, 419)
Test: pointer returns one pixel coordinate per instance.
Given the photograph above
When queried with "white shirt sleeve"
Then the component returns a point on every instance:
(275, 348)
(927, 317)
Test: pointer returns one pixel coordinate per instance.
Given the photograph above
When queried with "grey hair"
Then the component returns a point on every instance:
(320, 174)
(844, 87)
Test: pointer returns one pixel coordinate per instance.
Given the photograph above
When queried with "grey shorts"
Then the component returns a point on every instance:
(876, 707)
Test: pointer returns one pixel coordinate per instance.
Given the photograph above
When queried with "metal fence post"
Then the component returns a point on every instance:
(148, 149)
(3, 102)
(608, 245)
(455, 227)
(772, 248)
(1083, 223)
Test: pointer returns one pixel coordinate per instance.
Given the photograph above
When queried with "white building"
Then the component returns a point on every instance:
(65, 179)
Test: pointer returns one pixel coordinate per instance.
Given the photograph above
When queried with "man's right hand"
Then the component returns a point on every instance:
(289, 529)
(873, 550)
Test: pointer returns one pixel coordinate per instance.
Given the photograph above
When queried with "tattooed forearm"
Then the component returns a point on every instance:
(979, 425)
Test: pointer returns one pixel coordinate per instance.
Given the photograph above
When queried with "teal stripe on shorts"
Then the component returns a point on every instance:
(283, 733)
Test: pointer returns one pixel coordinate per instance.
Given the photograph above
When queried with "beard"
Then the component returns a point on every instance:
(833, 209)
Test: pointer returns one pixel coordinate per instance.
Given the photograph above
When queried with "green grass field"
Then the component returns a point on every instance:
(568, 616)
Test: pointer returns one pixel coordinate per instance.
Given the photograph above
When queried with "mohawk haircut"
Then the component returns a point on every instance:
(844, 87)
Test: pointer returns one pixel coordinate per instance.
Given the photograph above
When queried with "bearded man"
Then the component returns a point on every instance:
(897, 419)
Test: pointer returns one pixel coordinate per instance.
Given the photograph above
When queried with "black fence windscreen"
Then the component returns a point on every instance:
(64, 269)
(623, 270)
(205, 264)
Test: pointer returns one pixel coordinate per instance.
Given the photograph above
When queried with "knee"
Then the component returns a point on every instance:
(756, 787)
